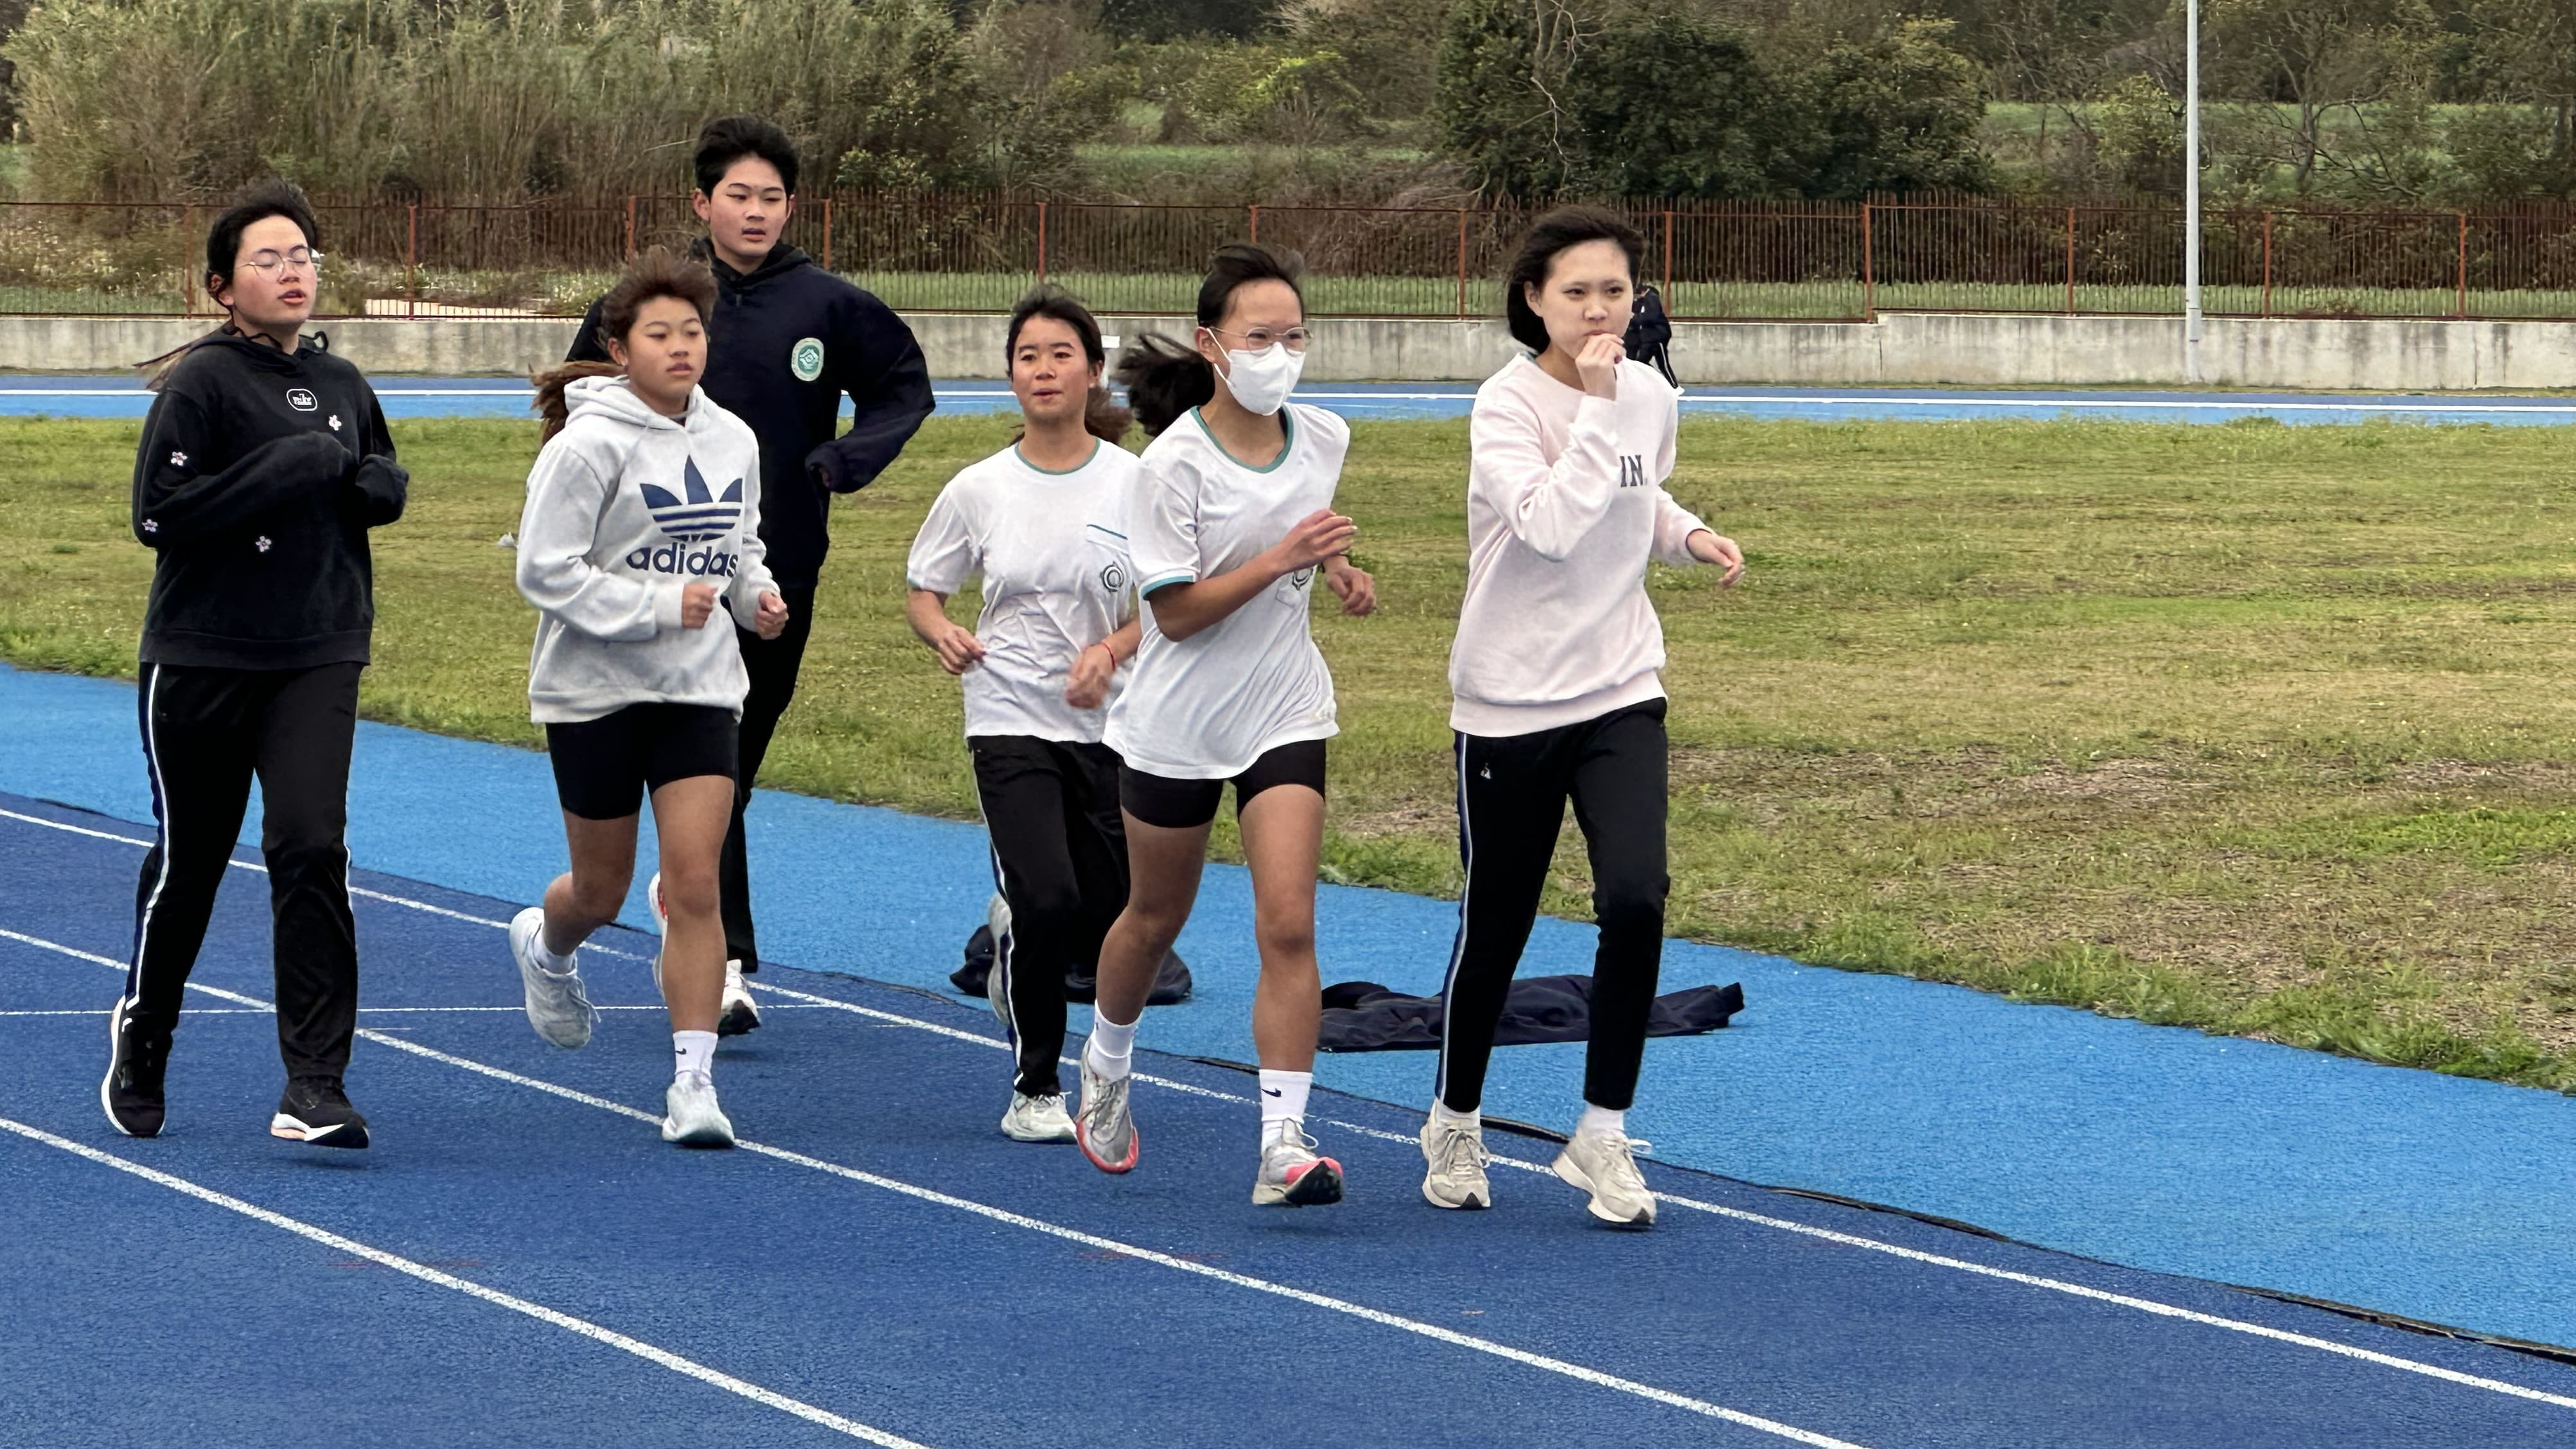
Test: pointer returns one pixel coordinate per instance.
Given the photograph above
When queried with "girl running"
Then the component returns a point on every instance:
(1229, 527)
(1043, 522)
(1557, 691)
(643, 515)
(264, 462)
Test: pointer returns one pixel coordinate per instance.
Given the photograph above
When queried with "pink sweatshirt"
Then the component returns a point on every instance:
(1565, 506)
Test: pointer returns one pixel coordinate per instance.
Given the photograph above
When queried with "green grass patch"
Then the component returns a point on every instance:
(2259, 730)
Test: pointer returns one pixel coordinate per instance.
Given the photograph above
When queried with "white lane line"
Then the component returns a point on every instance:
(2114, 404)
(1786, 1225)
(1380, 1317)
(196, 1011)
(662, 1357)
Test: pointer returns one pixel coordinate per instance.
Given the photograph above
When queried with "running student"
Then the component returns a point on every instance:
(1558, 696)
(1230, 524)
(642, 522)
(789, 340)
(265, 460)
(1043, 522)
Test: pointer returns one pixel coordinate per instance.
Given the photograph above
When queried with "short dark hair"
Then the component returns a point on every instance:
(1101, 415)
(262, 201)
(1165, 379)
(727, 139)
(1567, 226)
(656, 272)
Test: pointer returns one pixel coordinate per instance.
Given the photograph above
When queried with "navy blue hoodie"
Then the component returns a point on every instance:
(788, 340)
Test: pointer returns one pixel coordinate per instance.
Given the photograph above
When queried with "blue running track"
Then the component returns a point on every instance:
(56, 395)
(520, 1260)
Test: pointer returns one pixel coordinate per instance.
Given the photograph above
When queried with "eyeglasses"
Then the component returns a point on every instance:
(302, 259)
(1294, 339)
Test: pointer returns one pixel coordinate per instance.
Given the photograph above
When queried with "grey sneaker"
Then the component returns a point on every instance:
(1292, 1175)
(1105, 1131)
(741, 1013)
(1604, 1164)
(997, 984)
(1457, 1157)
(557, 1006)
(1037, 1119)
(691, 1117)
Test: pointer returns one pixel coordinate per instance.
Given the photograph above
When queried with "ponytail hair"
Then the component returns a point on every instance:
(1165, 379)
(658, 272)
(1102, 417)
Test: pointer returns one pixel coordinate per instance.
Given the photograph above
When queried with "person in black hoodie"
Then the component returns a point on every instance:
(264, 462)
(788, 340)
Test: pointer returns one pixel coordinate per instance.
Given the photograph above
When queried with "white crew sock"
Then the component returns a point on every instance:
(1110, 1047)
(693, 1051)
(1602, 1119)
(1472, 1121)
(1283, 1100)
(549, 962)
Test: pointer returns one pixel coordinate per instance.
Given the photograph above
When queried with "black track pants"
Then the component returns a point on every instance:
(1060, 858)
(206, 734)
(1512, 793)
(773, 665)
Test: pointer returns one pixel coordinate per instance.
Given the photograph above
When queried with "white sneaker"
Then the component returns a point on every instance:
(661, 924)
(1037, 1119)
(741, 1013)
(557, 1006)
(1107, 1131)
(1457, 1157)
(1293, 1175)
(1604, 1164)
(691, 1117)
(997, 983)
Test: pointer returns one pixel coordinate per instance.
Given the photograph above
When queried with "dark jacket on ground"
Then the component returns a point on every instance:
(260, 473)
(1362, 1016)
(785, 320)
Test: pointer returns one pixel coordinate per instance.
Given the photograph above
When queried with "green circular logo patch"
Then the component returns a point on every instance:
(805, 359)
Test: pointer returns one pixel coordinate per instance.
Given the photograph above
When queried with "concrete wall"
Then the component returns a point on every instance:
(2034, 351)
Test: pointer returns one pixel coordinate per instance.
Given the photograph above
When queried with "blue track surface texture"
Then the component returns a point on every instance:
(2218, 1158)
(57, 395)
(520, 1260)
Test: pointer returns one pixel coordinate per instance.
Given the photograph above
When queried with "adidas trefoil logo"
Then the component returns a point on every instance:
(700, 516)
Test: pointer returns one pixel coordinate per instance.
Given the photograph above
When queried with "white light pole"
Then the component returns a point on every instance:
(2191, 194)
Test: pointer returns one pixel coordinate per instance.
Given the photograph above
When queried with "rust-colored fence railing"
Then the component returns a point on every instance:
(979, 251)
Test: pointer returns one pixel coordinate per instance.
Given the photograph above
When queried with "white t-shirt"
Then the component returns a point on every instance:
(1206, 707)
(1054, 562)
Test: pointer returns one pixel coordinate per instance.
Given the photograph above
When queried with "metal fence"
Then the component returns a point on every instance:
(978, 252)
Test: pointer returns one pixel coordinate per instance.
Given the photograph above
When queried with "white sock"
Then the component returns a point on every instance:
(549, 962)
(1602, 1119)
(693, 1051)
(1472, 1121)
(1283, 1100)
(1110, 1047)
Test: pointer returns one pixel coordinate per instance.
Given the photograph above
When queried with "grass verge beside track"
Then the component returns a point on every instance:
(2251, 728)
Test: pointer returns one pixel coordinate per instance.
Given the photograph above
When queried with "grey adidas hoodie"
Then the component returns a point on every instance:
(626, 508)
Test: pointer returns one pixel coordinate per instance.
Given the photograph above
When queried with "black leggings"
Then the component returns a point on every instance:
(1511, 805)
(772, 665)
(206, 733)
(1060, 858)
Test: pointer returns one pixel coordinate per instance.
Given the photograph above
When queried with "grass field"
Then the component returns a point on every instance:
(2253, 728)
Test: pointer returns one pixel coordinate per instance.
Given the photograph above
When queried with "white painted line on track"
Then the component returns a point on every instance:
(1379, 1317)
(1808, 1230)
(661, 1357)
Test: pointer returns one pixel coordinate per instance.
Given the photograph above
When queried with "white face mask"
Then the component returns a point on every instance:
(1261, 381)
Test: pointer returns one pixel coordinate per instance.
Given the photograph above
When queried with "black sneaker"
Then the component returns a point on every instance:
(136, 1060)
(315, 1110)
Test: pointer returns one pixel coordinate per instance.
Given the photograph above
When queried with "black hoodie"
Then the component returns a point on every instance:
(788, 340)
(260, 473)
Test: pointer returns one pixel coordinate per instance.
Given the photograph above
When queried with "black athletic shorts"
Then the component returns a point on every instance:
(605, 767)
(1188, 804)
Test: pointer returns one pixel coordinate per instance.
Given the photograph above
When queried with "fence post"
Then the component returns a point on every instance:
(1868, 271)
(1462, 264)
(1668, 260)
(2070, 261)
(1042, 243)
(2267, 264)
(2464, 267)
(1256, 226)
(411, 264)
(630, 228)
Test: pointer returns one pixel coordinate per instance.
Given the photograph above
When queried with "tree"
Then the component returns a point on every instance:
(1895, 111)
(1672, 105)
(1503, 67)
(2313, 59)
